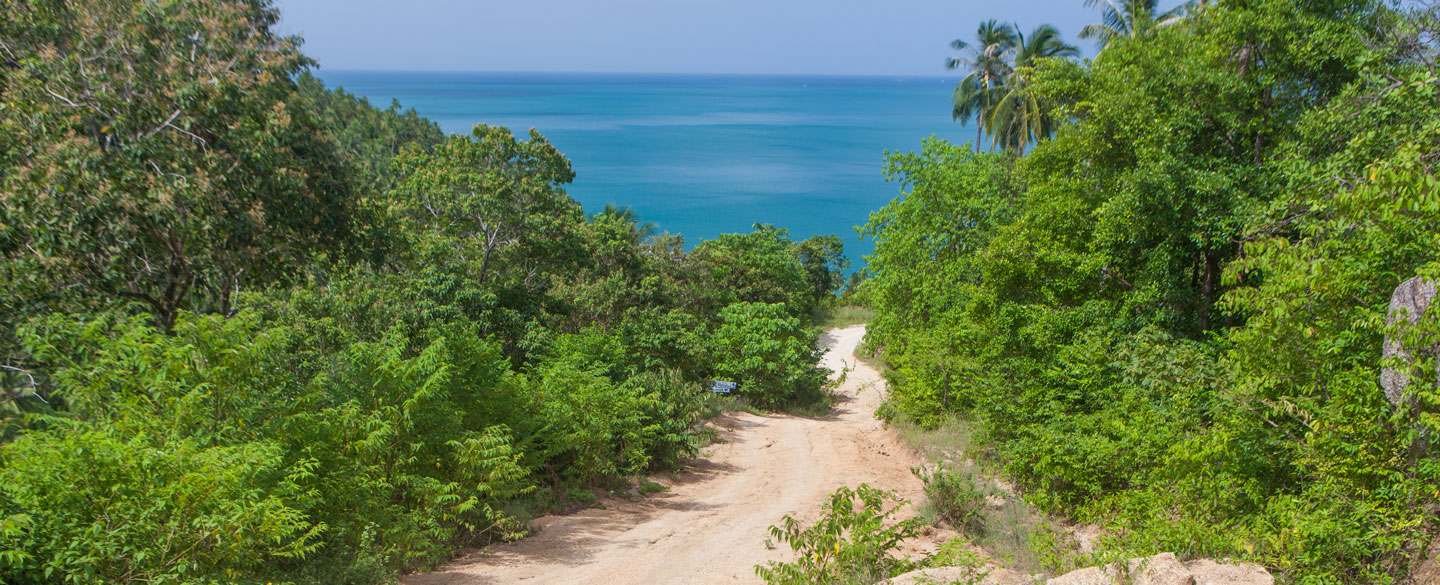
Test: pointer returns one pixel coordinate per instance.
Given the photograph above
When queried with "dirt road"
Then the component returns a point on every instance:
(711, 526)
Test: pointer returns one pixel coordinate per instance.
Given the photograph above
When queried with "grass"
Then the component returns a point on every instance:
(714, 404)
(1007, 527)
(871, 356)
(842, 316)
(648, 487)
(810, 406)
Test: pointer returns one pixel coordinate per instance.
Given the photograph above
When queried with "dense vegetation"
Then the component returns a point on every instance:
(253, 330)
(1168, 319)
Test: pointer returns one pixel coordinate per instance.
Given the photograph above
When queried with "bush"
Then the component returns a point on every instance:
(580, 427)
(762, 266)
(954, 498)
(853, 542)
(672, 419)
(769, 352)
(386, 452)
(91, 508)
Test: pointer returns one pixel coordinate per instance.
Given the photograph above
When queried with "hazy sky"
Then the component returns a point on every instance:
(860, 37)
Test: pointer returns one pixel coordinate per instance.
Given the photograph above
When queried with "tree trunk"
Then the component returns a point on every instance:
(1207, 288)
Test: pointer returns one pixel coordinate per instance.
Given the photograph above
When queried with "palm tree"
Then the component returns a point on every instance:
(627, 214)
(1128, 19)
(1021, 118)
(978, 93)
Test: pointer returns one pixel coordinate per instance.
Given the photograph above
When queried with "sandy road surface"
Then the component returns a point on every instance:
(711, 526)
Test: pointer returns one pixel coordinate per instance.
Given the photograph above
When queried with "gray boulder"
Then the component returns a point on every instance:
(1161, 569)
(990, 575)
(1409, 302)
(1165, 569)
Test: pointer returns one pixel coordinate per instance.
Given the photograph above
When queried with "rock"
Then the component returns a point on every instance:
(1086, 536)
(1208, 572)
(1410, 301)
(963, 575)
(1165, 569)
(1161, 569)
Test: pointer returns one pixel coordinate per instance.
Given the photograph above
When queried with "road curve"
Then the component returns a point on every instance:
(710, 527)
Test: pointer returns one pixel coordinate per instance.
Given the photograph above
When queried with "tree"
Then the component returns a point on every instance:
(367, 136)
(1022, 117)
(770, 352)
(978, 94)
(1124, 19)
(1181, 304)
(758, 267)
(492, 191)
(155, 152)
(926, 274)
(824, 261)
(643, 229)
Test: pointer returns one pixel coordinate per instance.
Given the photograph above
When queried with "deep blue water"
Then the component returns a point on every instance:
(700, 155)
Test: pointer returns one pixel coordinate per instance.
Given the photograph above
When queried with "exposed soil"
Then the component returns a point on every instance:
(710, 527)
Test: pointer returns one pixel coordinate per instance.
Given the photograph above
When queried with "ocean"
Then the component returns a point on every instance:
(700, 155)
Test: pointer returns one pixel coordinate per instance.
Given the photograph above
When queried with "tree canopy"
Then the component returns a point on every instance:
(256, 330)
(1168, 319)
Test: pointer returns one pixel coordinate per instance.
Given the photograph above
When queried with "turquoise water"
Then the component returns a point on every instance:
(700, 155)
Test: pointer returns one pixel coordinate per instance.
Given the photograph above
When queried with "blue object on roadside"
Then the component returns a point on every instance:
(722, 387)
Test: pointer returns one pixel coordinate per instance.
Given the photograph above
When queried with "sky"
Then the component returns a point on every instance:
(833, 37)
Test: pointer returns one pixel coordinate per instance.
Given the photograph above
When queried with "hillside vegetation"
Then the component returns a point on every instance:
(253, 330)
(1168, 319)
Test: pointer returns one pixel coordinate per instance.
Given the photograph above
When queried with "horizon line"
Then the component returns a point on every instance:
(681, 73)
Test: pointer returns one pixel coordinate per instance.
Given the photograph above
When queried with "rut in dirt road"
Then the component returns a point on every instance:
(711, 526)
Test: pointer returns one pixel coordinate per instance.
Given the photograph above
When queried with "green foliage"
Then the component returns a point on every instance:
(503, 353)
(583, 427)
(499, 195)
(384, 449)
(90, 508)
(763, 266)
(954, 498)
(824, 261)
(496, 352)
(854, 293)
(958, 553)
(171, 173)
(771, 354)
(671, 416)
(368, 137)
(1169, 318)
(854, 541)
(257, 331)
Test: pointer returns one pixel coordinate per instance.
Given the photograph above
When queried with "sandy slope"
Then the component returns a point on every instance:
(711, 526)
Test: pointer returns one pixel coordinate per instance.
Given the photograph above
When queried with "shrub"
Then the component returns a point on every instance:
(672, 417)
(92, 508)
(769, 352)
(954, 498)
(853, 542)
(391, 446)
(960, 553)
(580, 426)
